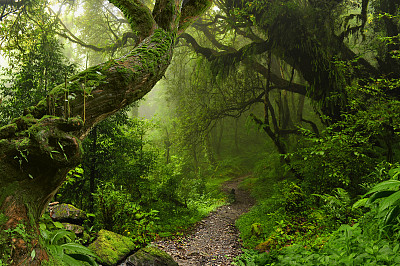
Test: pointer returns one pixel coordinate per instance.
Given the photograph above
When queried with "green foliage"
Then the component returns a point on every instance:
(117, 151)
(385, 198)
(18, 232)
(265, 214)
(347, 246)
(61, 244)
(337, 206)
(117, 212)
(32, 73)
(347, 152)
(191, 198)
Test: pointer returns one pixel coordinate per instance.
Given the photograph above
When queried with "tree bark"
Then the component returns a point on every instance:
(38, 149)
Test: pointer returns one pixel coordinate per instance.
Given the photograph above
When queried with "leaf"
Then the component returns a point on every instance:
(58, 225)
(85, 258)
(56, 251)
(59, 234)
(385, 185)
(393, 173)
(360, 203)
(78, 248)
(396, 248)
(42, 226)
(70, 261)
(33, 254)
(391, 215)
(379, 195)
(389, 201)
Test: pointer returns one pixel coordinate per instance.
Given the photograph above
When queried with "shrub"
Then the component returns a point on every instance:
(115, 211)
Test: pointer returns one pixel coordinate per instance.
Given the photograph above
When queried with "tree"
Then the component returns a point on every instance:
(40, 147)
(327, 48)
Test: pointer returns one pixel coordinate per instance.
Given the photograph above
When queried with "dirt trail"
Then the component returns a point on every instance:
(214, 241)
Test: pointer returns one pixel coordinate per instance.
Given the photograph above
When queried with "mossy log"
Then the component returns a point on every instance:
(38, 149)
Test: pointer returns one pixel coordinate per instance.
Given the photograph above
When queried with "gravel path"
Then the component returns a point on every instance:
(215, 240)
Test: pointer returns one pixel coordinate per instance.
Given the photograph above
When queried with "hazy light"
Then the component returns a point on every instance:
(55, 7)
(215, 8)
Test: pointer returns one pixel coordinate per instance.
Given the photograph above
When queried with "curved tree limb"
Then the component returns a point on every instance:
(279, 83)
(120, 42)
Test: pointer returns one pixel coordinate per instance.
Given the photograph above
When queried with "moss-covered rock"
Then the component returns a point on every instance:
(111, 247)
(151, 256)
(67, 213)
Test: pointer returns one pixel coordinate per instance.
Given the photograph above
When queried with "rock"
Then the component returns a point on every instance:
(150, 256)
(77, 229)
(111, 247)
(67, 213)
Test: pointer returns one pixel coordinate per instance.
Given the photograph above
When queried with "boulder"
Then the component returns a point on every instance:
(111, 247)
(67, 213)
(151, 256)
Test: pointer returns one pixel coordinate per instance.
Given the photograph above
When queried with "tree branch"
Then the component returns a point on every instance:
(313, 126)
(211, 37)
(191, 11)
(138, 15)
(278, 82)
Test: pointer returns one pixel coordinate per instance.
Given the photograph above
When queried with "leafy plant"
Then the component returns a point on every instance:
(117, 212)
(18, 232)
(337, 206)
(60, 244)
(386, 197)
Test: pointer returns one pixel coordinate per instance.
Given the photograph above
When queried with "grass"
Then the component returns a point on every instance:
(198, 207)
(268, 211)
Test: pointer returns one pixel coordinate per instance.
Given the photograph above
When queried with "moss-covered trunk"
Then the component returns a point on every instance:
(38, 149)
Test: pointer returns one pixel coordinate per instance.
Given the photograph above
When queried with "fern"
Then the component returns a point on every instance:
(60, 245)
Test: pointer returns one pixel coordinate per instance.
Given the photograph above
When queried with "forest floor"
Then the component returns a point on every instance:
(214, 240)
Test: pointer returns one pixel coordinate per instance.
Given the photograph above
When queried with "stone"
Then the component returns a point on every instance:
(151, 256)
(111, 247)
(77, 229)
(67, 213)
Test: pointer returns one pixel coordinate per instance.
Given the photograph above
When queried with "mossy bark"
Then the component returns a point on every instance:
(38, 149)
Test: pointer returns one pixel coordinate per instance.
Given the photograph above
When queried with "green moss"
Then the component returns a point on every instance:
(111, 247)
(154, 53)
(164, 14)
(8, 130)
(152, 256)
(191, 11)
(138, 15)
(64, 212)
(157, 252)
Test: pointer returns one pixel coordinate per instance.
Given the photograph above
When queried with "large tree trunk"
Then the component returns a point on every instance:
(38, 149)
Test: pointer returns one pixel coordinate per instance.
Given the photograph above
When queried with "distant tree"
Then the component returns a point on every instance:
(32, 74)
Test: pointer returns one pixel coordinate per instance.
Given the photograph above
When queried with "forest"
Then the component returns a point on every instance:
(138, 132)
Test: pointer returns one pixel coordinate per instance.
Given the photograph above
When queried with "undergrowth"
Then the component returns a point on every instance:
(312, 229)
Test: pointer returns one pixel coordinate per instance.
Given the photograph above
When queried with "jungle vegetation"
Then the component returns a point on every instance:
(303, 94)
